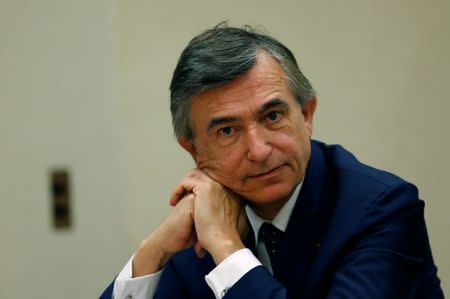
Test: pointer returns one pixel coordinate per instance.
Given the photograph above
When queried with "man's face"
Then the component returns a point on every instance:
(252, 136)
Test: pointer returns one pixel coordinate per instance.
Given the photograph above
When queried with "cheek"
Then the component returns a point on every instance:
(222, 165)
(295, 147)
(287, 141)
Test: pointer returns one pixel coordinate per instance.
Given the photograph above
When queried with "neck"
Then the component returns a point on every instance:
(266, 212)
(271, 210)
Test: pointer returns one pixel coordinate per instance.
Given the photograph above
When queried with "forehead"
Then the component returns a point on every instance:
(265, 81)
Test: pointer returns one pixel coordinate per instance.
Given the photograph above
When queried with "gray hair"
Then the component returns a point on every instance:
(219, 55)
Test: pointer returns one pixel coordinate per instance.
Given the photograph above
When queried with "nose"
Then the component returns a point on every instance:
(258, 145)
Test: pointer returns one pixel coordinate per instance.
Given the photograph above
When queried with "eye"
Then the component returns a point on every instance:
(273, 116)
(227, 131)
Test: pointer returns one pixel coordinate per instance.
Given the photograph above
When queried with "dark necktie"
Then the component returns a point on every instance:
(271, 236)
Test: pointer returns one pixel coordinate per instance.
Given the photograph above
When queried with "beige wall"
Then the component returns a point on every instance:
(59, 107)
(85, 84)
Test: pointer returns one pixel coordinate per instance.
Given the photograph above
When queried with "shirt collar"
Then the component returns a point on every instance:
(281, 219)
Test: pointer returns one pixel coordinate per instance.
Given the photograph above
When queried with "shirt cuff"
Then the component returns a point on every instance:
(230, 270)
(142, 287)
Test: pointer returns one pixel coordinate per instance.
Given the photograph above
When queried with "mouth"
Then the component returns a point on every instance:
(271, 172)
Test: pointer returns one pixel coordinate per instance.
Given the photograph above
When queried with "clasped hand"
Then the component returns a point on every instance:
(206, 215)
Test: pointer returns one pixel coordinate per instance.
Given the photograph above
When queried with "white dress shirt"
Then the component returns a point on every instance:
(224, 275)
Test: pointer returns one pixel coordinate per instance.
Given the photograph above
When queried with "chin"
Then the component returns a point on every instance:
(271, 195)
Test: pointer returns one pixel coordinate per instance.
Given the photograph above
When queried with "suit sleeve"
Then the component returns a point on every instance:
(387, 260)
(257, 283)
(170, 286)
(189, 277)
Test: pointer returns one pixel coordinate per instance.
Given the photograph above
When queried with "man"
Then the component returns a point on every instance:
(244, 111)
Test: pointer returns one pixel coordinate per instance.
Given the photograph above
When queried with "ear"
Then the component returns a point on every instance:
(308, 110)
(188, 146)
(308, 113)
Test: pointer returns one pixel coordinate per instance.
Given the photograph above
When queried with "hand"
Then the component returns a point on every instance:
(175, 233)
(219, 216)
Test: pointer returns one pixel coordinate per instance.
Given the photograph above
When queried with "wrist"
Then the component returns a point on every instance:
(149, 258)
(223, 249)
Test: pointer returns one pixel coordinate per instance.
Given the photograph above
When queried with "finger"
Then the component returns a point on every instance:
(192, 240)
(196, 244)
(177, 195)
(186, 185)
(186, 203)
(199, 250)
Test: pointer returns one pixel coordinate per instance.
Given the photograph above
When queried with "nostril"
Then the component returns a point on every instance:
(258, 147)
(259, 152)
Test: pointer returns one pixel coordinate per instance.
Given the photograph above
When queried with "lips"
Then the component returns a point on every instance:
(267, 173)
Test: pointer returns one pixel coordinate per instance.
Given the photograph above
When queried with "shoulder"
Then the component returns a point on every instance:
(360, 179)
(362, 193)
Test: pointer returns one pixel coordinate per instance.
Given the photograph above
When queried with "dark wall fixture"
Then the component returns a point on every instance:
(60, 199)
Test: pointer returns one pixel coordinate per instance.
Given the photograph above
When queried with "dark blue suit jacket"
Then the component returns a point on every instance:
(355, 232)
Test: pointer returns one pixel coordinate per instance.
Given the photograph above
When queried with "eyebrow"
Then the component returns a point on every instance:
(273, 103)
(220, 121)
(217, 121)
